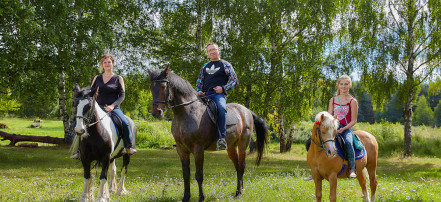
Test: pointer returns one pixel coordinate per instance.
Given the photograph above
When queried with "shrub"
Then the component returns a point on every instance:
(155, 134)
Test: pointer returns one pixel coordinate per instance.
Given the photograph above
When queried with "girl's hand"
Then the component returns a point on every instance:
(340, 130)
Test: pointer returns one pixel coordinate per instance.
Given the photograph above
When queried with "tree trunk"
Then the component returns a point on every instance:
(291, 134)
(409, 84)
(282, 135)
(199, 46)
(29, 138)
(248, 96)
(68, 137)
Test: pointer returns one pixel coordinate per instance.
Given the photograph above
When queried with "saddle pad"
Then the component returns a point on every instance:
(358, 153)
(232, 118)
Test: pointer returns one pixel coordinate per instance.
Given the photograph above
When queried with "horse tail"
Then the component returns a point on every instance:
(75, 145)
(262, 136)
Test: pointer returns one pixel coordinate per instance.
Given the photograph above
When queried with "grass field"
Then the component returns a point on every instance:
(47, 174)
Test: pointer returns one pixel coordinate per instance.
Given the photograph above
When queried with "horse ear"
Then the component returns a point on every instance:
(166, 71)
(76, 87)
(335, 116)
(322, 117)
(149, 71)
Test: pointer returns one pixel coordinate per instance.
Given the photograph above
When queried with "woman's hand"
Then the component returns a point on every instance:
(109, 108)
(218, 89)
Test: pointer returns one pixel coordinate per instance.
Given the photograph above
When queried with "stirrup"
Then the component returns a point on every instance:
(131, 151)
(352, 174)
(308, 178)
(75, 156)
(221, 144)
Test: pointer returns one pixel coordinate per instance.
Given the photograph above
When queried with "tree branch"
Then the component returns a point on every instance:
(428, 60)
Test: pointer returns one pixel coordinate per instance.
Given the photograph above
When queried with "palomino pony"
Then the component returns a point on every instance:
(325, 165)
(99, 142)
(194, 132)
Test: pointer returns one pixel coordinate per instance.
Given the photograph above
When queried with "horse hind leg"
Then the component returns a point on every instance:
(121, 189)
(239, 163)
(112, 173)
(372, 180)
(362, 181)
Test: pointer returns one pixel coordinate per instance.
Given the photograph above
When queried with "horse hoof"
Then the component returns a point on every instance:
(186, 198)
(123, 192)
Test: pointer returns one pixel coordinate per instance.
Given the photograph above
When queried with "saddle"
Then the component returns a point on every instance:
(213, 113)
(118, 124)
(358, 146)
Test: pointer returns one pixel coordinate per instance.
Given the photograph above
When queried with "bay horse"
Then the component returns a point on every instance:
(194, 132)
(326, 165)
(98, 141)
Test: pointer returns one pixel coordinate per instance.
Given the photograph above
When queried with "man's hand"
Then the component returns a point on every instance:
(200, 93)
(218, 89)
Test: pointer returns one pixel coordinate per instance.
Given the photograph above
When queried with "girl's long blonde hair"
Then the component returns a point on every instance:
(341, 78)
(105, 56)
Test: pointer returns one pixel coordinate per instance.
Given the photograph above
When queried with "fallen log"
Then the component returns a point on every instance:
(32, 145)
(14, 138)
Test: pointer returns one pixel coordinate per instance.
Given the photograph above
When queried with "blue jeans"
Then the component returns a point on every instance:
(221, 102)
(127, 134)
(349, 141)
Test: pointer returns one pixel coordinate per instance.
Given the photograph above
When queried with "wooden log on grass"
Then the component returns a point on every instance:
(32, 145)
(30, 138)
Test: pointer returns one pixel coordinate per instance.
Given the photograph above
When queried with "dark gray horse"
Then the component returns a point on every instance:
(194, 132)
(99, 142)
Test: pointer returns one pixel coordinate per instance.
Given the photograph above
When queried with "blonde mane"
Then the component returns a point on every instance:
(329, 122)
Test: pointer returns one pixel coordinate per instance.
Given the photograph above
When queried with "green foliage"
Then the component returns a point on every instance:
(437, 115)
(154, 134)
(423, 114)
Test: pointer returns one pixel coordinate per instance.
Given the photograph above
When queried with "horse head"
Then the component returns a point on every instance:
(161, 92)
(324, 132)
(83, 104)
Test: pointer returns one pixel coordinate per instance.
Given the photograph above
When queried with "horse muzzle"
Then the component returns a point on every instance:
(157, 112)
(79, 131)
(330, 150)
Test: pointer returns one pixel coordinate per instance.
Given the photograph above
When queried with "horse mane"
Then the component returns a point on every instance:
(180, 85)
(329, 121)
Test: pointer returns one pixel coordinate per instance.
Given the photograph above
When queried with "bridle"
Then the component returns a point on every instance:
(322, 143)
(169, 97)
(91, 112)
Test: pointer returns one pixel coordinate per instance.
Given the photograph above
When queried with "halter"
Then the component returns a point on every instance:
(169, 97)
(322, 143)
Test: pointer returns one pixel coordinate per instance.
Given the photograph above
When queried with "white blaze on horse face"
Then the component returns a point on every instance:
(330, 145)
(79, 127)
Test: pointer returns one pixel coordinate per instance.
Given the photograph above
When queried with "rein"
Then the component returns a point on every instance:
(322, 143)
(169, 98)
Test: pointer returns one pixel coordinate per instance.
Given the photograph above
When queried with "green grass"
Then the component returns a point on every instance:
(47, 174)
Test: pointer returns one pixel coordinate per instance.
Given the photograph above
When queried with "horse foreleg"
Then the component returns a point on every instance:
(87, 193)
(318, 188)
(333, 187)
(199, 161)
(121, 189)
(104, 189)
(112, 174)
(239, 164)
(185, 161)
